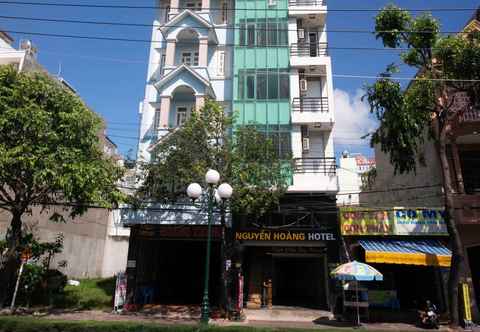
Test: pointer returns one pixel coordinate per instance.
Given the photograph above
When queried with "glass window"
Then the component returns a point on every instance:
(195, 59)
(242, 29)
(241, 83)
(250, 34)
(272, 33)
(250, 86)
(272, 84)
(187, 58)
(283, 34)
(224, 11)
(262, 85)
(181, 115)
(156, 119)
(284, 86)
(261, 34)
(221, 63)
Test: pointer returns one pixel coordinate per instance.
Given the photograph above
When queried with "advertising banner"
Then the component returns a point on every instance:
(415, 221)
(395, 221)
(362, 221)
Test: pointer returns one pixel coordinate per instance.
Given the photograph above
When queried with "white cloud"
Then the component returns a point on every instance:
(352, 119)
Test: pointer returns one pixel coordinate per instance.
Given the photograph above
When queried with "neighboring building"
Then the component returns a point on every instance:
(96, 243)
(464, 156)
(351, 172)
(266, 61)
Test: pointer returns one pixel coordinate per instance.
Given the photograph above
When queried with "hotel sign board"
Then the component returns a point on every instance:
(396, 221)
(284, 236)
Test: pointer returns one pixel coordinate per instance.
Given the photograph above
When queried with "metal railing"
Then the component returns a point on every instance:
(310, 104)
(306, 3)
(471, 115)
(309, 49)
(326, 166)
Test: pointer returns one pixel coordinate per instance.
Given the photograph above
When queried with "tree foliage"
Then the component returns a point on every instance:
(50, 154)
(49, 146)
(243, 156)
(447, 67)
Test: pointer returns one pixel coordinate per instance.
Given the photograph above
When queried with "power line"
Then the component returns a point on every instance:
(349, 10)
(225, 26)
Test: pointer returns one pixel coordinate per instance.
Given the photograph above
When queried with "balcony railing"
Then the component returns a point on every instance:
(310, 104)
(471, 115)
(305, 3)
(324, 166)
(309, 49)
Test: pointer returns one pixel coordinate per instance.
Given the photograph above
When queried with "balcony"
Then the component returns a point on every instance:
(467, 209)
(307, 7)
(307, 110)
(309, 54)
(314, 175)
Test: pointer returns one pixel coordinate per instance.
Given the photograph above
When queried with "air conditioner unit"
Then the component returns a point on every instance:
(272, 2)
(301, 33)
(306, 144)
(303, 85)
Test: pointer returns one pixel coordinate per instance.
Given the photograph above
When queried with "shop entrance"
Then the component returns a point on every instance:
(299, 281)
(173, 272)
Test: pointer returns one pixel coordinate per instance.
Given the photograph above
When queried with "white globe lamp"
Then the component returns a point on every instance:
(225, 191)
(212, 177)
(194, 190)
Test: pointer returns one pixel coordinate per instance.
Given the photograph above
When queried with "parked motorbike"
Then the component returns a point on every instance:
(429, 316)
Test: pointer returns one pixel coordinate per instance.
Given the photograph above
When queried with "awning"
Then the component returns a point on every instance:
(412, 252)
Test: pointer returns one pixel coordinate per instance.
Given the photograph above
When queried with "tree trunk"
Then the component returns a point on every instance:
(9, 270)
(458, 257)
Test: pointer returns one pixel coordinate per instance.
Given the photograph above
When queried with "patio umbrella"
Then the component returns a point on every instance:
(356, 271)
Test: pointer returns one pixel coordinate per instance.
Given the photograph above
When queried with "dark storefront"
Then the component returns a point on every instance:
(295, 247)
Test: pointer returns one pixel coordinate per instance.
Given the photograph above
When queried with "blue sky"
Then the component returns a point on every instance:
(110, 76)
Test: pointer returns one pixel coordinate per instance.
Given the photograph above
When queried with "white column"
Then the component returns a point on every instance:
(199, 102)
(174, 4)
(203, 52)
(170, 53)
(164, 111)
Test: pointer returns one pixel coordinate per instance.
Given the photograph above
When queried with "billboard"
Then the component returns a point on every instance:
(395, 221)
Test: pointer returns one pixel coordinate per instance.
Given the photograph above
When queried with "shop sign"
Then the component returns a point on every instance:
(414, 221)
(361, 221)
(395, 221)
(179, 232)
(284, 236)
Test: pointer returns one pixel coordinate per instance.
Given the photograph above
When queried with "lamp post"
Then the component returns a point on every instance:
(223, 192)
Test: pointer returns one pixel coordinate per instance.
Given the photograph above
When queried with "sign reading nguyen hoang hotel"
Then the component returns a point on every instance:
(395, 221)
(286, 236)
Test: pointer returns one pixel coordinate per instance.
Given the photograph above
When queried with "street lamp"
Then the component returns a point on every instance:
(223, 192)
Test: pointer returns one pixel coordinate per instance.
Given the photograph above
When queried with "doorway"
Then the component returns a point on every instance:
(299, 281)
(312, 37)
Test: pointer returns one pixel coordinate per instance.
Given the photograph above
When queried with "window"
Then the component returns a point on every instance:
(262, 86)
(181, 116)
(272, 33)
(224, 12)
(162, 64)
(250, 34)
(194, 5)
(241, 30)
(167, 11)
(187, 58)
(250, 87)
(195, 59)
(283, 34)
(156, 119)
(284, 86)
(261, 34)
(272, 84)
(221, 63)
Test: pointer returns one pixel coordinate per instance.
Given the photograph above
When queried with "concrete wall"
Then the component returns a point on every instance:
(88, 248)
(427, 174)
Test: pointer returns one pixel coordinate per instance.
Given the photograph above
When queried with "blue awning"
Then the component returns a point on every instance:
(413, 252)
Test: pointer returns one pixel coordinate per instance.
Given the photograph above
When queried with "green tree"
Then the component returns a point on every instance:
(243, 156)
(50, 154)
(447, 67)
